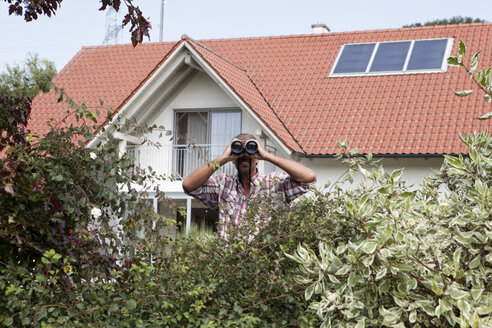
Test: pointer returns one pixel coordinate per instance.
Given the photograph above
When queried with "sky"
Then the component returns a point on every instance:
(78, 23)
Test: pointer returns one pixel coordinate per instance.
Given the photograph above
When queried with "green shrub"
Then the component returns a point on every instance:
(408, 258)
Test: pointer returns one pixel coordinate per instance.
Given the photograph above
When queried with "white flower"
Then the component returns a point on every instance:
(92, 155)
(96, 213)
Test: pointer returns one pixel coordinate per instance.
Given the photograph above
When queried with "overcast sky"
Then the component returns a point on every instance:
(79, 23)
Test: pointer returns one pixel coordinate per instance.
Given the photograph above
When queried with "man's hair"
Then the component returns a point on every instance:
(245, 137)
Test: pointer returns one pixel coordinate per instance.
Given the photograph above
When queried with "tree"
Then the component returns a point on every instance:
(31, 9)
(446, 21)
(29, 78)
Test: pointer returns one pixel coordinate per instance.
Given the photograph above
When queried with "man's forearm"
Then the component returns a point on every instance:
(198, 177)
(297, 171)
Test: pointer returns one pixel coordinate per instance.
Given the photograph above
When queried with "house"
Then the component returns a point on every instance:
(389, 92)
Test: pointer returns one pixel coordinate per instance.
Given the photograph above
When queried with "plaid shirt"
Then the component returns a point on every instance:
(225, 194)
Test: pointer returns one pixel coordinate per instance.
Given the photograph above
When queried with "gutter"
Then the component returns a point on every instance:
(380, 155)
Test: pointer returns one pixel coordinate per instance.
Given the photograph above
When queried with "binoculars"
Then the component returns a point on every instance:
(237, 147)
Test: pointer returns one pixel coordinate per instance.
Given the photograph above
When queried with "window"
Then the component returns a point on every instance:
(201, 136)
(396, 57)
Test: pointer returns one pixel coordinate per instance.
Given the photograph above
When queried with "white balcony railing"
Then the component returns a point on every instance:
(178, 160)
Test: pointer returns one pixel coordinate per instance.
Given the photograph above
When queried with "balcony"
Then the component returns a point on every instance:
(178, 160)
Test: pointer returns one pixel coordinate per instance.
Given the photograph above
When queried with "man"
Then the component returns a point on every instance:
(231, 194)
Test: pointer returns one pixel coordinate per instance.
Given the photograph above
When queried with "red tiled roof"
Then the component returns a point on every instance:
(109, 73)
(284, 80)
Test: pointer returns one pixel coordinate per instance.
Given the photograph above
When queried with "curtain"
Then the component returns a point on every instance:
(223, 127)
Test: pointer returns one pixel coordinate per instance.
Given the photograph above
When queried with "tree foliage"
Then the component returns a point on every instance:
(31, 9)
(447, 21)
(63, 218)
(27, 79)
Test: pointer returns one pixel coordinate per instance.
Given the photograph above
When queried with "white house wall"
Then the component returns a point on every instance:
(415, 169)
(198, 92)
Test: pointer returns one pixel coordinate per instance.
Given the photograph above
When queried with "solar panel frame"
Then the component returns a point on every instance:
(367, 71)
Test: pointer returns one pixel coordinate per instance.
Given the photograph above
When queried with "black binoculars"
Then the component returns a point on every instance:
(237, 147)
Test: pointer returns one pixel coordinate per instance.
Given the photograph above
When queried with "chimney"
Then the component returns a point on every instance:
(320, 28)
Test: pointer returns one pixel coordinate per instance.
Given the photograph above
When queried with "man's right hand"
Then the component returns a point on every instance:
(228, 155)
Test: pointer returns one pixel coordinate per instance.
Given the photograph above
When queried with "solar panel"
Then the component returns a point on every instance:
(354, 58)
(390, 56)
(427, 54)
(394, 57)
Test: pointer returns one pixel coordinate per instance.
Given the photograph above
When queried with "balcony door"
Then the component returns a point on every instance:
(202, 136)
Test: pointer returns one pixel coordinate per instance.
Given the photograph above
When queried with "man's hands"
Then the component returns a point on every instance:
(229, 156)
(243, 163)
(261, 154)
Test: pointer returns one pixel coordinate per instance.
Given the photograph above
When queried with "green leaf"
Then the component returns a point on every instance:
(411, 284)
(365, 172)
(457, 293)
(475, 262)
(456, 260)
(464, 306)
(455, 161)
(361, 323)
(381, 273)
(396, 175)
(474, 156)
(113, 307)
(463, 93)
(308, 293)
(333, 279)
(131, 304)
(473, 64)
(476, 293)
(56, 258)
(453, 61)
(384, 286)
(461, 49)
(40, 277)
(369, 246)
(352, 279)
(385, 232)
(486, 116)
(413, 316)
(58, 177)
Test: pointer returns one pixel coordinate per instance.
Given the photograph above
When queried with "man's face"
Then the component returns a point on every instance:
(242, 163)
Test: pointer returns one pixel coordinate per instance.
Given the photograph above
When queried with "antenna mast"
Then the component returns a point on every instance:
(161, 31)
